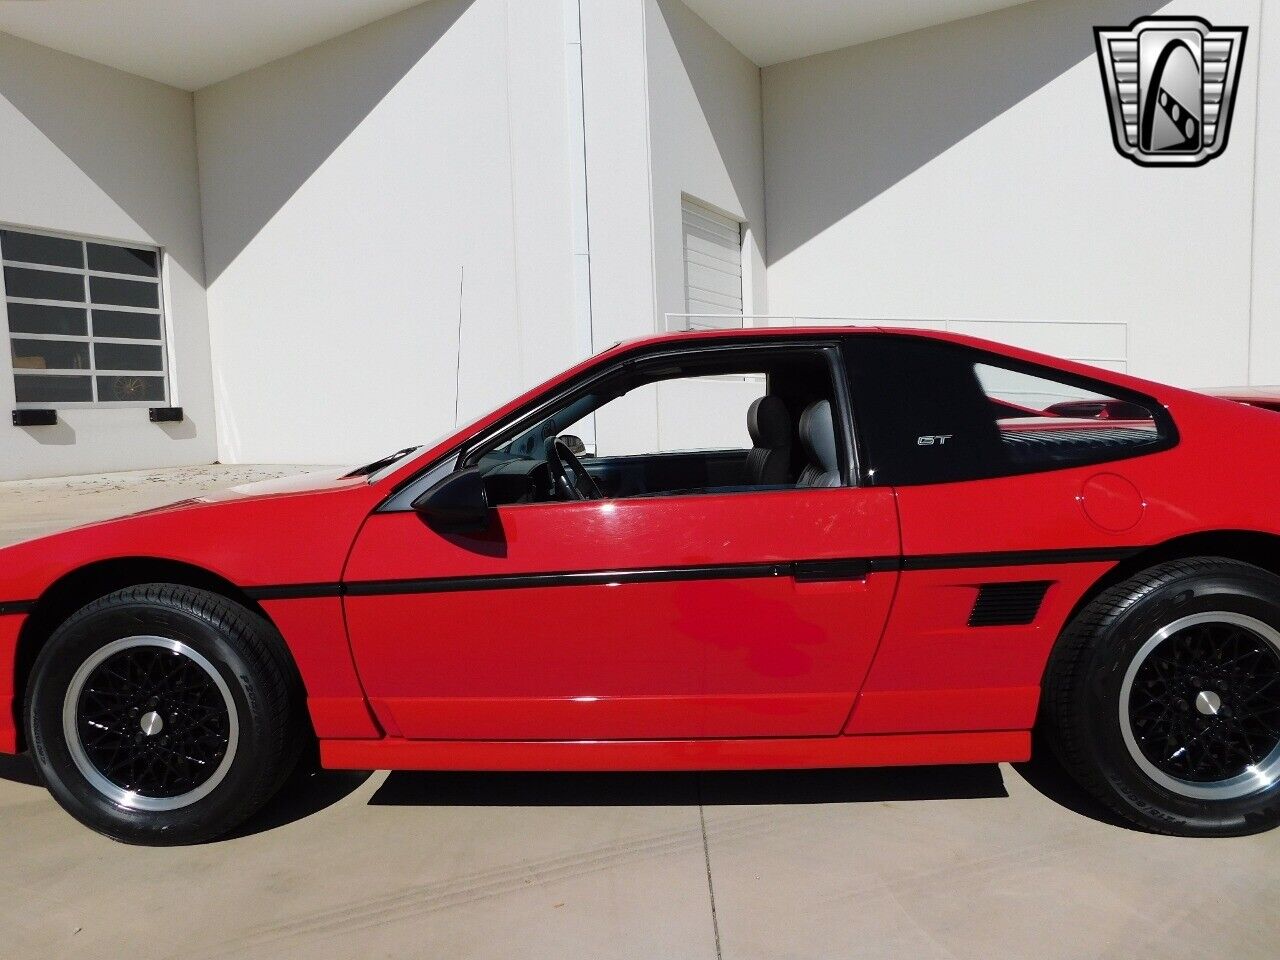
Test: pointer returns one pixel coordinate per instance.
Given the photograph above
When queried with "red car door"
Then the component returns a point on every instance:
(750, 614)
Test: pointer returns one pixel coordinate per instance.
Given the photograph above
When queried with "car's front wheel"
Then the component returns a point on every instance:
(1162, 698)
(162, 714)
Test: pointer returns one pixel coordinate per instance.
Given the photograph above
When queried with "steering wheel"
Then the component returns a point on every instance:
(562, 462)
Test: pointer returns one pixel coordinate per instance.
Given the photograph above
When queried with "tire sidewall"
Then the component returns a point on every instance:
(1254, 595)
(75, 642)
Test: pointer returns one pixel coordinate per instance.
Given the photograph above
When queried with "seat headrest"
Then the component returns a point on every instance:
(818, 432)
(768, 423)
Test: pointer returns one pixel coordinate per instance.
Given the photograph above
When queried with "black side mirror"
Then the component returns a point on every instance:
(456, 502)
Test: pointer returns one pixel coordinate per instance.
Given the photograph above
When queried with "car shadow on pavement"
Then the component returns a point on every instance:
(307, 791)
(310, 790)
(405, 788)
(19, 769)
(1047, 776)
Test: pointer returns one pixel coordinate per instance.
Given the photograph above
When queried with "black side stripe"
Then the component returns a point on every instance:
(576, 578)
(16, 606)
(294, 591)
(804, 571)
(1017, 558)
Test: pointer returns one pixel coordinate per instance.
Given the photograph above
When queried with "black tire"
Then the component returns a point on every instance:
(1127, 732)
(219, 691)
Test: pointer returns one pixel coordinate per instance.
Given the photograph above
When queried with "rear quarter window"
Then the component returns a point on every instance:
(929, 411)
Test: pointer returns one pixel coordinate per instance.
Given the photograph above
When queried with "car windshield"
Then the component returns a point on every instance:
(529, 444)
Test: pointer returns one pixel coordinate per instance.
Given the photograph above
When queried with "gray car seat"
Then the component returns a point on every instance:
(818, 434)
(769, 462)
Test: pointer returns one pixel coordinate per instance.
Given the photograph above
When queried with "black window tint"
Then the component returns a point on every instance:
(127, 356)
(124, 293)
(44, 318)
(49, 354)
(921, 412)
(43, 284)
(118, 389)
(929, 411)
(130, 326)
(47, 389)
(113, 259)
(34, 248)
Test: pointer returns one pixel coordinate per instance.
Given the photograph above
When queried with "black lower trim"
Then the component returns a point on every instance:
(1017, 558)
(294, 591)
(576, 578)
(804, 571)
(16, 606)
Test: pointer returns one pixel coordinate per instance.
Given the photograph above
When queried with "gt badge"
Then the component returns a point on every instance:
(1170, 84)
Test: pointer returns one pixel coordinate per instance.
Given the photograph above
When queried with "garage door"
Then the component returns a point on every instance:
(712, 261)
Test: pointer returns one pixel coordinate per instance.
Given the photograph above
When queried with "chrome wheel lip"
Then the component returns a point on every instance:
(129, 799)
(1253, 780)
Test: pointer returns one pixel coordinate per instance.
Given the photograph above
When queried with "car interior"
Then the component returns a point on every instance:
(790, 428)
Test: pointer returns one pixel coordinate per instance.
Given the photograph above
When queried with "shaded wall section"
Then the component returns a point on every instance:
(91, 151)
(706, 142)
(967, 170)
(387, 222)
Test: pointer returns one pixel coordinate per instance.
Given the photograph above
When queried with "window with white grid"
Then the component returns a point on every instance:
(86, 321)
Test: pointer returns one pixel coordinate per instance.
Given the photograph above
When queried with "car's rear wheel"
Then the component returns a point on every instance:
(1162, 698)
(163, 714)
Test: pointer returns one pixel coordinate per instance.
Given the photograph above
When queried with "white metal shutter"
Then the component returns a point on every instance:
(712, 262)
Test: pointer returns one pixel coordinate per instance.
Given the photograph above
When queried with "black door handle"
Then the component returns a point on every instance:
(814, 571)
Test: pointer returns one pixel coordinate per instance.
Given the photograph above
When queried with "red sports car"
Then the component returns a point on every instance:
(771, 548)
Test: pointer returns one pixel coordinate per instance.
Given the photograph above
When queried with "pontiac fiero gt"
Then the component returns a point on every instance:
(778, 548)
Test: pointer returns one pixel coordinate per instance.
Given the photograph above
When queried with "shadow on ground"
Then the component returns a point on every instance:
(1046, 775)
(671, 789)
(310, 790)
(19, 769)
(307, 791)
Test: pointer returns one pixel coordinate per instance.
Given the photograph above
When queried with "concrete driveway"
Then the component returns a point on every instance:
(978, 862)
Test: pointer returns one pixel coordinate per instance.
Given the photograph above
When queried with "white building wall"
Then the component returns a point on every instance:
(619, 184)
(672, 109)
(92, 151)
(619, 199)
(388, 233)
(366, 198)
(1264, 354)
(967, 170)
(706, 142)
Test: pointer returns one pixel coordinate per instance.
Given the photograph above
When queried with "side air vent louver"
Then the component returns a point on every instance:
(1007, 604)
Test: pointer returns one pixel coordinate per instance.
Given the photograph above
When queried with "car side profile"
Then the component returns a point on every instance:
(770, 548)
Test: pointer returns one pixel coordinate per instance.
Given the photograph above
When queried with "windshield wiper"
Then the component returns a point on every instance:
(377, 465)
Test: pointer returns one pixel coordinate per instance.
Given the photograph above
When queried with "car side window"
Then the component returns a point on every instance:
(681, 415)
(709, 421)
(929, 411)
